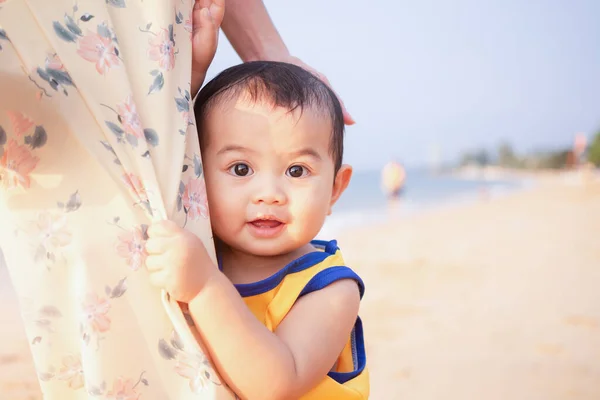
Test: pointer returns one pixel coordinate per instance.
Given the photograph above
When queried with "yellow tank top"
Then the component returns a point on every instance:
(272, 298)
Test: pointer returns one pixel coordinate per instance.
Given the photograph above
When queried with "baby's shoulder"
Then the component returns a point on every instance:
(326, 266)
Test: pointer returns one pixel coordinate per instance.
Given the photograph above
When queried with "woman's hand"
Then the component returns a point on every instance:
(348, 120)
(207, 17)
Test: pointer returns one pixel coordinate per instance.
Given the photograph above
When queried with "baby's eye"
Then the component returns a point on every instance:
(240, 169)
(297, 171)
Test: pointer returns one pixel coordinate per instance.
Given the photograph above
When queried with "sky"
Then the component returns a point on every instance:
(428, 79)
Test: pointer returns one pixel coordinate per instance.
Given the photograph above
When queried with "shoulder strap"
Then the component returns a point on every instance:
(300, 284)
(330, 275)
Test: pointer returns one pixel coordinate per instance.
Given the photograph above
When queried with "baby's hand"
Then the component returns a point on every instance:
(207, 16)
(177, 261)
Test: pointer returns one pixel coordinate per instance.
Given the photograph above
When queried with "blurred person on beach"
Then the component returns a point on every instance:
(393, 177)
(279, 313)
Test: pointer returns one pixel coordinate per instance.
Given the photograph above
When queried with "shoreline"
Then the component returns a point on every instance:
(394, 211)
(496, 179)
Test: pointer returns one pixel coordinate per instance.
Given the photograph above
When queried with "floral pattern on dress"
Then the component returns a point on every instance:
(192, 366)
(94, 317)
(3, 35)
(128, 128)
(50, 235)
(121, 389)
(99, 46)
(187, 22)
(20, 122)
(16, 164)
(71, 372)
(43, 322)
(131, 246)
(192, 197)
(17, 161)
(161, 50)
(183, 104)
(55, 75)
(60, 177)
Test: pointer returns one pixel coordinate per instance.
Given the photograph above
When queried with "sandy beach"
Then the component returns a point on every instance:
(494, 300)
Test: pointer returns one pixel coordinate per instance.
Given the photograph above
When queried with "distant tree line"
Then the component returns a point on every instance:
(506, 156)
(593, 154)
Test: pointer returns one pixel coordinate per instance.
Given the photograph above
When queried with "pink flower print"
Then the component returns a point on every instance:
(123, 389)
(52, 230)
(20, 122)
(99, 50)
(135, 185)
(53, 62)
(72, 372)
(187, 118)
(194, 369)
(15, 166)
(188, 25)
(132, 246)
(130, 118)
(95, 313)
(162, 49)
(195, 200)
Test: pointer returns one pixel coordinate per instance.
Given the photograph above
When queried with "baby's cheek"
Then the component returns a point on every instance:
(228, 210)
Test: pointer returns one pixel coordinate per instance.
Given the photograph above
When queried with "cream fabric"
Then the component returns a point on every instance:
(96, 140)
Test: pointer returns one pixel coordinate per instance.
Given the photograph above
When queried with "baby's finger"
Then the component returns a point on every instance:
(154, 263)
(158, 279)
(162, 228)
(156, 245)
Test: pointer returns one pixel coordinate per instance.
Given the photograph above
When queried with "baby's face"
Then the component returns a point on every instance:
(269, 176)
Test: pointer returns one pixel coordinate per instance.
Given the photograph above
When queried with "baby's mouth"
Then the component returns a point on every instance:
(266, 223)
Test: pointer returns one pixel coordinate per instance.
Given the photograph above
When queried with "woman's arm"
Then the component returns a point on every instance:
(251, 31)
(253, 35)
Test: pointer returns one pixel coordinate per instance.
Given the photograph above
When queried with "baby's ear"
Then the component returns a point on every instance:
(342, 179)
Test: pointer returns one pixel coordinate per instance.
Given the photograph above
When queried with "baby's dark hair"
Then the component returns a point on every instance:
(284, 85)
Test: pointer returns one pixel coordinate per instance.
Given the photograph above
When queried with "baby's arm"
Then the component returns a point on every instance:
(259, 364)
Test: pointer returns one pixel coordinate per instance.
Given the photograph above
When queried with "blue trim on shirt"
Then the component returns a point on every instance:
(330, 275)
(300, 264)
(324, 279)
(358, 348)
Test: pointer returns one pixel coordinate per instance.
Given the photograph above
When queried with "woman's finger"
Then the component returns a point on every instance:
(217, 11)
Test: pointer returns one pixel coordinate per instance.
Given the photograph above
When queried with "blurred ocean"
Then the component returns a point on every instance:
(365, 203)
